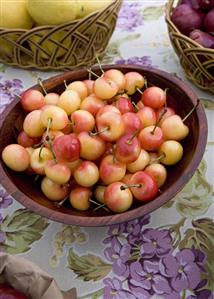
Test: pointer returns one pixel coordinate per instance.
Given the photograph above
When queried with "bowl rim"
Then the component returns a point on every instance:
(130, 214)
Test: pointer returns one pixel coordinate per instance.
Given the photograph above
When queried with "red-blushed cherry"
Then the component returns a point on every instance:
(145, 188)
(79, 198)
(27, 141)
(104, 88)
(86, 174)
(108, 108)
(80, 87)
(154, 97)
(171, 152)
(117, 77)
(111, 170)
(110, 126)
(16, 157)
(140, 163)
(33, 125)
(127, 178)
(53, 190)
(117, 199)
(131, 122)
(134, 81)
(91, 147)
(124, 105)
(90, 85)
(159, 173)
(151, 138)
(32, 99)
(51, 98)
(99, 193)
(8, 292)
(163, 113)
(67, 148)
(57, 172)
(92, 104)
(147, 116)
(82, 120)
(48, 137)
(73, 165)
(127, 148)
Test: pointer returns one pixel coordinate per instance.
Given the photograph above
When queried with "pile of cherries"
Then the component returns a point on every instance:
(93, 145)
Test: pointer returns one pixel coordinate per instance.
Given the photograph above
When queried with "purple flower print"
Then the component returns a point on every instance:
(113, 290)
(114, 231)
(1, 218)
(8, 89)
(201, 295)
(145, 61)
(146, 276)
(200, 258)
(182, 269)
(2, 237)
(129, 16)
(156, 243)
(119, 255)
(5, 199)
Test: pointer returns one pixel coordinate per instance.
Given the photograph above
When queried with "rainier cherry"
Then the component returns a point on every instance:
(154, 97)
(117, 77)
(33, 125)
(39, 158)
(105, 88)
(90, 85)
(32, 100)
(172, 152)
(66, 148)
(140, 163)
(99, 193)
(151, 138)
(124, 105)
(131, 122)
(57, 172)
(117, 199)
(91, 147)
(159, 173)
(127, 148)
(82, 120)
(54, 117)
(16, 157)
(53, 190)
(86, 174)
(51, 98)
(80, 198)
(134, 80)
(80, 87)
(69, 101)
(92, 104)
(174, 128)
(147, 116)
(25, 140)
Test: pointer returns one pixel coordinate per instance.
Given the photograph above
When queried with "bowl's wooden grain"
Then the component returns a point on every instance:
(180, 97)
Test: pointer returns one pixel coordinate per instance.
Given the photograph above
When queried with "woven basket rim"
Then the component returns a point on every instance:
(168, 11)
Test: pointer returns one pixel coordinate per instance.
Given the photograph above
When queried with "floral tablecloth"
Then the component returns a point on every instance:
(168, 254)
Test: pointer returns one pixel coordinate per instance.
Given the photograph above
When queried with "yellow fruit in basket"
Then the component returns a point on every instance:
(88, 6)
(52, 12)
(14, 14)
(49, 46)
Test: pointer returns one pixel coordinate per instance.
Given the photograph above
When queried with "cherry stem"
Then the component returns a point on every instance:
(158, 121)
(58, 204)
(48, 140)
(158, 158)
(135, 106)
(40, 151)
(99, 63)
(99, 132)
(191, 111)
(42, 86)
(130, 186)
(138, 89)
(93, 73)
(99, 206)
(133, 136)
(65, 83)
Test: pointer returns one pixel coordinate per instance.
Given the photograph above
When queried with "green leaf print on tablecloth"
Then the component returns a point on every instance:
(152, 13)
(21, 229)
(88, 267)
(196, 197)
(201, 237)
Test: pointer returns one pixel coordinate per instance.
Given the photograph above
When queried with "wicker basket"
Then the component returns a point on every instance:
(61, 47)
(197, 61)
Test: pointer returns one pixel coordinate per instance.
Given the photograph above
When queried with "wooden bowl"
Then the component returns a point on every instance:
(180, 97)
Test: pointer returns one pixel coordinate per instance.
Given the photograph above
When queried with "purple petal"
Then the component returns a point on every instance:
(180, 282)
(172, 295)
(169, 266)
(125, 252)
(137, 271)
(109, 253)
(117, 284)
(147, 249)
(185, 256)
(161, 285)
(151, 267)
(120, 269)
(116, 245)
(140, 293)
(124, 294)
(193, 275)
(144, 283)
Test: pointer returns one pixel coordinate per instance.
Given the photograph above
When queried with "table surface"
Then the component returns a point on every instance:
(104, 262)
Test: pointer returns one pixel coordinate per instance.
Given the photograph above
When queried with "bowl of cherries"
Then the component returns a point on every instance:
(100, 146)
